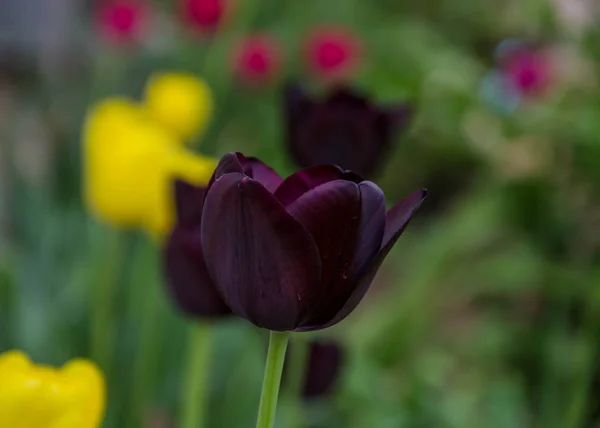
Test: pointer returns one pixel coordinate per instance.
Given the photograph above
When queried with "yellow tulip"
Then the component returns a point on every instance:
(37, 396)
(130, 163)
(182, 165)
(180, 101)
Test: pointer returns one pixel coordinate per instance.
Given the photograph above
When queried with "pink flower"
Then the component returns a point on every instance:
(529, 70)
(332, 53)
(204, 16)
(257, 60)
(121, 20)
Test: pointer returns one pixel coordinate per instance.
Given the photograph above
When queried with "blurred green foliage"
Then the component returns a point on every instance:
(487, 312)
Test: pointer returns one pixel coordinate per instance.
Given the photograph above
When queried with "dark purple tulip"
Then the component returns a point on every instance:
(295, 254)
(344, 129)
(187, 278)
(325, 359)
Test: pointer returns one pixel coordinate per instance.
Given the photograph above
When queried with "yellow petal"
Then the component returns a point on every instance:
(184, 165)
(87, 388)
(122, 150)
(180, 101)
(38, 396)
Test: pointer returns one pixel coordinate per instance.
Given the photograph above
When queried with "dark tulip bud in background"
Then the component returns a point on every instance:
(325, 360)
(257, 60)
(345, 128)
(185, 269)
(295, 254)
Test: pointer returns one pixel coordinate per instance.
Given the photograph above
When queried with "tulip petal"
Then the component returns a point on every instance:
(398, 116)
(262, 259)
(370, 231)
(398, 216)
(189, 200)
(329, 213)
(347, 96)
(357, 256)
(396, 221)
(297, 103)
(188, 281)
(325, 362)
(301, 182)
(230, 162)
(264, 174)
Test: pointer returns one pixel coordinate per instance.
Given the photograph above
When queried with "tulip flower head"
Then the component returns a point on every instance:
(325, 359)
(186, 273)
(332, 53)
(181, 102)
(204, 16)
(36, 396)
(130, 162)
(344, 129)
(297, 254)
(257, 60)
(121, 20)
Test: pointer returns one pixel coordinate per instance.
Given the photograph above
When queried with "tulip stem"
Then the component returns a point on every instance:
(196, 380)
(298, 363)
(270, 390)
(105, 287)
(151, 320)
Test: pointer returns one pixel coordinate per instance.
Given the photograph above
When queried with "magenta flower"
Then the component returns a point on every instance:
(332, 53)
(204, 16)
(344, 129)
(295, 254)
(257, 60)
(527, 68)
(121, 20)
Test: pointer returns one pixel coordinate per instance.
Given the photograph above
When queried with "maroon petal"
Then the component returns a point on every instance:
(189, 200)
(396, 221)
(302, 181)
(347, 96)
(398, 216)
(230, 162)
(297, 103)
(325, 361)
(398, 116)
(187, 279)
(369, 229)
(329, 213)
(262, 260)
(264, 174)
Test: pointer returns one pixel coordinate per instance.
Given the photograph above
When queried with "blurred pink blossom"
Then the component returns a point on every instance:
(257, 60)
(528, 69)
(204, 16)
(122, 20)
(332, 52)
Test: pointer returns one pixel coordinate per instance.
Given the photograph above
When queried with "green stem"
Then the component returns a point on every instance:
(103, 323)
(578, 407)
(270, 389)
(152, 319)
(298, 364)
(197, 376)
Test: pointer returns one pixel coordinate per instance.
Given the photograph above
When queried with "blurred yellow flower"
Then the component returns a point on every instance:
(130, 162)
(182, 102)
(37, 396)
